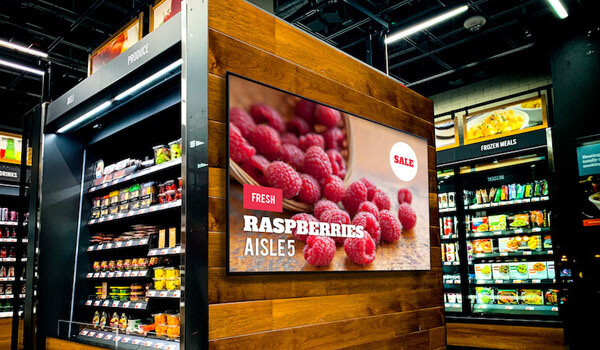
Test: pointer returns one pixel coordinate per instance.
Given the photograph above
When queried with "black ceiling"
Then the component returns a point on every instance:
(434, 60)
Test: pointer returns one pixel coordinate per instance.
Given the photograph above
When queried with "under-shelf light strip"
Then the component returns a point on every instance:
(132, 90)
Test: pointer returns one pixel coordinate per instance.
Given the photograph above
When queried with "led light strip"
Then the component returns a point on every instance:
(23, 49)
(132, 90)
(426, 24)
(21, 67)
(559, 8)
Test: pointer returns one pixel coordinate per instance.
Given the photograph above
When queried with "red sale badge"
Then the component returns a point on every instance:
(263, 198)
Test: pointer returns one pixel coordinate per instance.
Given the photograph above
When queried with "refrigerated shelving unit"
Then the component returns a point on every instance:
(121, 112)
(482, 242)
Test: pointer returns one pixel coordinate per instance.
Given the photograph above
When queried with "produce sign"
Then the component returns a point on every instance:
(514, 118)
(130, 34)
(162, 11)
(588, 160)
(312, 188)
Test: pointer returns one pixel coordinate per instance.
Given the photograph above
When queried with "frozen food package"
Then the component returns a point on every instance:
(485, 295)
(518, 221)
(497, 222)
(531, 297)
(508, 296)
(450, 252)
(483, 246)
(551, 272)
(483, 271)
(478, 197)
(480, 224)
(508, 244)
(518, 270)
(443, 200)
(537, 270)
(492, 194)
(551, 297)
(484, 196)
(501, 271)
(451, 200)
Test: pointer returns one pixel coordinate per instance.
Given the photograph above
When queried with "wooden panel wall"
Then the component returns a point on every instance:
(331, 311)
(505, 337)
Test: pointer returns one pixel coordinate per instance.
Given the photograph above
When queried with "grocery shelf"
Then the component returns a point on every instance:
(8, 223)
(506, 233)
(133, 213)
(117, 245)
(507, 203)
(452, 282)
(511, 281)
(12, 240)
(117, 304)
(10, 279)
(164, 251)
(118, 274)
(512, 254)
(447, 210)
(454, 236)
(511, 309)
(126, 341)
(452, 307)
(451, 263)
(163, 293)
(12, 259)
(144, 172)
(11, 296)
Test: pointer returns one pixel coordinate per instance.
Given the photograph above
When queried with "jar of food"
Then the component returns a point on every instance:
(119, 265)
(159, 284)
(142, 263)
(96, 266)
(173, 319)
(123, 322)
(173, 332)
(175, 149)
(113, 207)
(127, 264)
(134, 264)
(134, 197)
(104, 266)
(124, 200)
(159, 272)
(147, 194)
(161, 154)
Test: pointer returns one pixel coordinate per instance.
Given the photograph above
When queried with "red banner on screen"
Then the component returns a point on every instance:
(263, 198)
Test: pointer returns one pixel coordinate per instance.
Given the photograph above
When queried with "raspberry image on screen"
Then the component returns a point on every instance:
(314, 188)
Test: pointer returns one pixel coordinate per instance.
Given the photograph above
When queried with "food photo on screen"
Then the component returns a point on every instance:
(312, 188)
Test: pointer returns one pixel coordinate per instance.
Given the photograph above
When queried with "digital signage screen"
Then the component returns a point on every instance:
(311, 188)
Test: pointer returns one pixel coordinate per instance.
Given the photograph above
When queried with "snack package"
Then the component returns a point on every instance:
(497, 222)
(484, 196)
(501, 271)
(519, 271)
(485, 295)
(537, 270)
(508, 296)
(518, 221)
(482, 246)
(480, 224)
(483, 271)
(531, 297)
(551, 297)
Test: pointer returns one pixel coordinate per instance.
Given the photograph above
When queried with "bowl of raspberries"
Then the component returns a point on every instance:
(304, 152)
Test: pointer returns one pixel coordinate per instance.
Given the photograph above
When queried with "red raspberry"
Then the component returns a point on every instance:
(316, 163)
(311, 139)
(336, 216)
(319, 250)
(369, 223)
(338, 164)
(382, 200)
(284, 177)
(333, 188)
(266, 140)
(370, 187)
(407, 216)
(261, 112)
(298, 126)
(242, 120)
(368, 207)
(254, 173)
(302, 217)
(355, 194)
(322, 206)
(334, 138)
(288, 137)
(310, 192)
(390, 226)
(327, 116)
(360, 250)
(239, 149)
(233, 128)
(292, 155)
(404, 196)
(259, 162)
(306, 110)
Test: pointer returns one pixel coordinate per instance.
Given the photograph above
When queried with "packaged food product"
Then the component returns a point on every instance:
(96, 319)
(551, 272)
(485, 295)
(478, 197)
(96, 266)
(547, 244)
(124, 200)
(459, 298)
(104, 206)
(160, 318)
(483, 246)
(103, 320)
(173, 332)
(161, 238)
(171, 272)
(3, 271)
(480, 224)
(519, 271)
(161, 330)
(172, 237)
(518, 221)
(112, 264)
(451, 200)
(509, 244)
(532, 297)
(483, 271)
(127, 264)
(450, 252)
(175, 149)
(443, 200)
(498, 196)
(114, 320)
(492, 194)
(507, 296)
(1, 289)
(532, 243)
(134, 196)
(551, 297)
(142, 263)
(497, 222)
(171, 284)
(536, 218)
(104, 266)
(159, 284)
(512, 192)
(173, 319)
(161, 154)
(113, 207)
(537, 270)
(123, 322)
(501, 271)
(96, 202)
(443, 251)
(451, 297)
(147, 194)
(99, 169)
